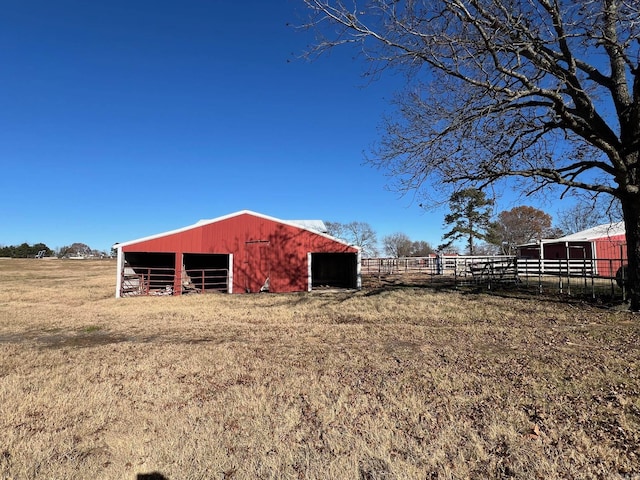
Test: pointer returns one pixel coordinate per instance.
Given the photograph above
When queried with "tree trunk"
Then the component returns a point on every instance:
(631, 213)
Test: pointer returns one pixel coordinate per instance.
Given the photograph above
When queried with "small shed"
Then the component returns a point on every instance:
(604, 246)
(243, 252)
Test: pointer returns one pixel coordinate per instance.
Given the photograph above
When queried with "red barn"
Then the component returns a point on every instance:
(604, 246)
(238, 253)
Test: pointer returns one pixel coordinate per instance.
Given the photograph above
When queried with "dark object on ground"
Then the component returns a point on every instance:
(622, 276)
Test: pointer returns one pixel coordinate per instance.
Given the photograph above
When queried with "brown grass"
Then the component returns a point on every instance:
(396, 383)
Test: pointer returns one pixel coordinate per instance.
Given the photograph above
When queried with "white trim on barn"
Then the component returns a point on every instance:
(309, 274)
(120, 263)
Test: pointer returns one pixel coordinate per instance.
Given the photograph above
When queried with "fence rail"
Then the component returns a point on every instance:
(433, 265)
(567, 276)
(163, 281)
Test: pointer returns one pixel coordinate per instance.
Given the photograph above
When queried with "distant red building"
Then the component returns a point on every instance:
(605, 245)
(238, 253)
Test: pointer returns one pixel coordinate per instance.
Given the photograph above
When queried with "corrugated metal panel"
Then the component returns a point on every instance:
(262, 247)
(613, 254)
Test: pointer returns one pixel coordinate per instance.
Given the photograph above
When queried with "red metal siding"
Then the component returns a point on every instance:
(611, 253)
(261, 247)
(612, 247)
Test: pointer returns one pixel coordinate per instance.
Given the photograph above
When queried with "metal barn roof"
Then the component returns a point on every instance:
(593, 233)
(315, 225)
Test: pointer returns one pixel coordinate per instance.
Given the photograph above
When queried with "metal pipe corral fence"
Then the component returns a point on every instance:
(586, 277)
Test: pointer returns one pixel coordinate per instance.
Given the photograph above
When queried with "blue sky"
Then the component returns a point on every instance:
(122, 119)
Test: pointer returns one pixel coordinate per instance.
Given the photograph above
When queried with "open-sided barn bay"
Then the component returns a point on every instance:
(380, 383)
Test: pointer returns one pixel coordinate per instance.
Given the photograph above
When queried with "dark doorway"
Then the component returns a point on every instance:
(205, 272)
(338, 270)
(148, 273)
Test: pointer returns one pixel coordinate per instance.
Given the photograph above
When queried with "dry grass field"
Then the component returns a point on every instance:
(385, 383)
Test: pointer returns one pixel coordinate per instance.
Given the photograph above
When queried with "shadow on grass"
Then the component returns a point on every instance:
(381, 285)
(507, 290)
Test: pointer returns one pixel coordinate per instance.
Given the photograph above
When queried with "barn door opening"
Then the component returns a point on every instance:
(148, 273)
(256, 267)
(203, 272)
(335, 270)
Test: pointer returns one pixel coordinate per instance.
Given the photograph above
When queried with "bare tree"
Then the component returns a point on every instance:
(360, 234)
(335, 229)
(487, 249)
(542, 91)
(400, 245)
(589, 213)
(580, 217)
(397, 245)
(421, 248)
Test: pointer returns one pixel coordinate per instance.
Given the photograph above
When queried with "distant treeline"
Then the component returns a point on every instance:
(26, 251)
(40, 250)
